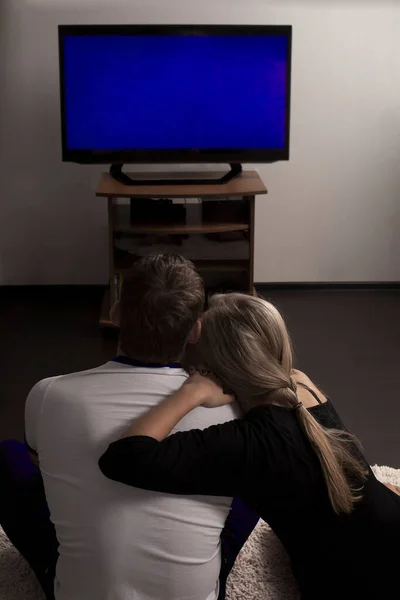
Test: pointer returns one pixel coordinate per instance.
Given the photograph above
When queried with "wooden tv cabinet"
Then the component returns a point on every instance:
(221, 214)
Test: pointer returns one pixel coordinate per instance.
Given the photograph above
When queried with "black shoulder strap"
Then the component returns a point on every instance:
(303, 385)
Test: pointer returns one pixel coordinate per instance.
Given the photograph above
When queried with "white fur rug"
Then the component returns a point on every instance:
(261, 572)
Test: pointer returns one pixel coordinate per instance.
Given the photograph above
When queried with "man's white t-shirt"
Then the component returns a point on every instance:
(117, 542)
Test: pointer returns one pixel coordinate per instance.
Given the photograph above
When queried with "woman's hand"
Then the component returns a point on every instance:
(207, 390)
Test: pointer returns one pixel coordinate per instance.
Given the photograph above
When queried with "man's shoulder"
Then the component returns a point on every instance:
(121, 374)
(105, 383)
(34, 407)
(44, 383)
(40, 388)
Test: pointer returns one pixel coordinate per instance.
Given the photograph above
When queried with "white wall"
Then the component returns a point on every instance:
(333, 211)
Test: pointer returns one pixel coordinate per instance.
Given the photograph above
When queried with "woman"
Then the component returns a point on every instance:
(290, 458)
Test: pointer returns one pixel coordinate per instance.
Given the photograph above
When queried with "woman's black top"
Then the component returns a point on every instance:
(266, 459)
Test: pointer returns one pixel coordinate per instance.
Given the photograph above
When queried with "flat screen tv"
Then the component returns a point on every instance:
(175, 94)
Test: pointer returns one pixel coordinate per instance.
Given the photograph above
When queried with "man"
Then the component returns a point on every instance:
(116, 542)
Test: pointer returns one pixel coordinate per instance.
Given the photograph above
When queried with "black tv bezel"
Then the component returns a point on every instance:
(184, 155)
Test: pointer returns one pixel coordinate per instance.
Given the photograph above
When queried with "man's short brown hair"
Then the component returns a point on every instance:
(162, 297)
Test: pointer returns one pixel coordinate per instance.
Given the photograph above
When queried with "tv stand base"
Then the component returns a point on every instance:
(117, 173)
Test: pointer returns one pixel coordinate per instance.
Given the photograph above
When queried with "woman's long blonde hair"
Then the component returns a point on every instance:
(246, 344)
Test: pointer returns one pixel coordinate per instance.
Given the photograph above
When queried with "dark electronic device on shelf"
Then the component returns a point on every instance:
(175, 94)
(225, 210)
(162, 210)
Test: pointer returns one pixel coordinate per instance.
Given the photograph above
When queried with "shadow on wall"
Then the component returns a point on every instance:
(53, 230)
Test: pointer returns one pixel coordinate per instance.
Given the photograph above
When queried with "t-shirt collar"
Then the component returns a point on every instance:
(125, 360)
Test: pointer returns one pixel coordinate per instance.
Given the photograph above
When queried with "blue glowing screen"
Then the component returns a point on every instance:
(125, 92)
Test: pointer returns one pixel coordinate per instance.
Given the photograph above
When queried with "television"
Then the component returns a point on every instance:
(175, 93)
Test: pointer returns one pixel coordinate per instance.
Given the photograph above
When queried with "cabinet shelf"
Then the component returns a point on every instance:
(123, 224)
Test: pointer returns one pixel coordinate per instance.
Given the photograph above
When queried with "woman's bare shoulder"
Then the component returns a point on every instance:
(303, 378)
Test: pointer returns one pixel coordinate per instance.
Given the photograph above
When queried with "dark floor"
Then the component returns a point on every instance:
(347, 341)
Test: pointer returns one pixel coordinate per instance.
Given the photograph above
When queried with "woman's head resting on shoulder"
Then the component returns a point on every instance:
(246, 344)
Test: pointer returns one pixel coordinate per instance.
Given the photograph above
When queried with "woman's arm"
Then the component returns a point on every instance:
(214, 461)
(159, 421)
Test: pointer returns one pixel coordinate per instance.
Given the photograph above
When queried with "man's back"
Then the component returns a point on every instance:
(116, 542)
